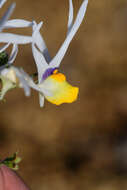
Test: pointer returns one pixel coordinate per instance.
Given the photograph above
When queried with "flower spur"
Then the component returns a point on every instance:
(49, 77)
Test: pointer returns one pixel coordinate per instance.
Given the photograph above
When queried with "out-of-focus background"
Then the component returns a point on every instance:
(82, 145)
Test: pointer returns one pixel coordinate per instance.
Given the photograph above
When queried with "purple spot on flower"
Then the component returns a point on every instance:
(48, 72)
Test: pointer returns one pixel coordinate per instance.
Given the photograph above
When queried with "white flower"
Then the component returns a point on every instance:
(48, 76)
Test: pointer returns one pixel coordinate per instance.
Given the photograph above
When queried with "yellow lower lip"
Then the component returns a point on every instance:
(62, 91)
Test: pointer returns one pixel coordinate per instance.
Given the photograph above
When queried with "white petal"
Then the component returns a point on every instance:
(15, 38)
(59, 56)
(13, 54)
(41, 43)
(70, 18)
(40, 62)
(38, 39)
(6, 16)
(2, 3)
(36, 29)
(17, 23)
(22, 81)
(41, 100)
(3, 48)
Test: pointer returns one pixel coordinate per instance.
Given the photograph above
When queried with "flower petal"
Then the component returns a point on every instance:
(2, 3)
(6, 16)
(3, 48)
(15, 38)
(6, 86)
(61, 90)
(55, 62)
(40, 62)
(23, 82)
(13, 54)
(41, 100)
(17, 23)
(41, 43)
(70, 18)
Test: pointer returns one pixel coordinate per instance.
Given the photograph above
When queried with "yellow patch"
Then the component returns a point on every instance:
(61, 90)
(55, 71)
(58, 77)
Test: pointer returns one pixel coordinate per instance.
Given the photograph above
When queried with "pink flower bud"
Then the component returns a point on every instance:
(9, 180)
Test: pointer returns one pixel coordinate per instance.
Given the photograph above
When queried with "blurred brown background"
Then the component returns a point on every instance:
(81, 145)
